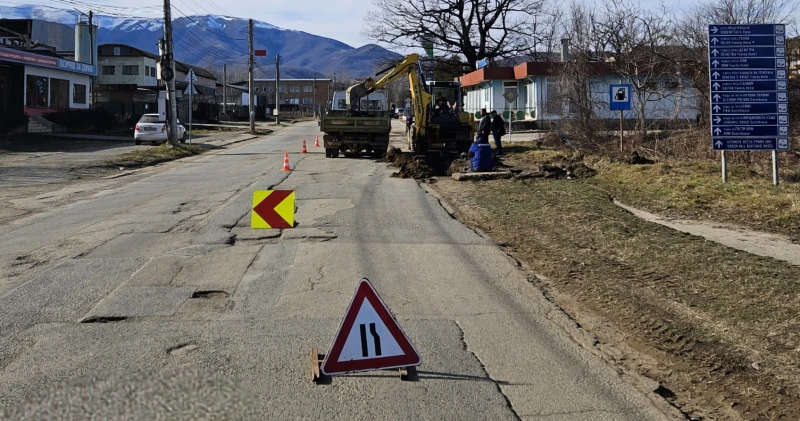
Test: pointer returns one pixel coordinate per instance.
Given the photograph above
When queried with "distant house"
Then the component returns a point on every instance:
(204, 103)
(533, 92)
(126, 83)
(129, 85)
(295, 94)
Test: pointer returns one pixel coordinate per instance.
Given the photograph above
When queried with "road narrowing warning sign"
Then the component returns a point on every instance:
(273, 209)
(369, 338)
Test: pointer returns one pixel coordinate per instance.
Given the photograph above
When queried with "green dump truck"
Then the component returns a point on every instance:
(354, 133)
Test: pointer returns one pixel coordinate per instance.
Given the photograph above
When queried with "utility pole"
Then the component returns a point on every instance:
(92, 53)
(170, 59)
(225, 89)
(278, 89)
(314, 94)
(251, 101)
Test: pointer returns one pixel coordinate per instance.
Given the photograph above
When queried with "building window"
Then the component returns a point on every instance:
(272, 88)
(59, 94)
(282, 89)
(109, 70)
(295, 101)
(130, 70)
(37, 88)
(308, 88)
(308, 101)
(295, 89)
(79, 94)
(555, 101)
(256, 88)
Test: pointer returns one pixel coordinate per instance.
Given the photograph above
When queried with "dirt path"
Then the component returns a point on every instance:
(758, 243)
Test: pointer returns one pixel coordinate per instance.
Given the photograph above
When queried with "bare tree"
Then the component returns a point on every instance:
(547, 30)
(575, 77)
(642, 52)
(691, 32)
(472, 29)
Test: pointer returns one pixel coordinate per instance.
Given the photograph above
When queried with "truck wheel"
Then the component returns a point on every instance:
(331, 153)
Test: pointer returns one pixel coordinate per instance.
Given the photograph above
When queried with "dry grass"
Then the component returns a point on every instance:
(155, 155)
(695, 190)
(691, 189)
(707, 311)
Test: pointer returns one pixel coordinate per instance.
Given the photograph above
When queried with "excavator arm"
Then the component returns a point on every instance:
(419, 96)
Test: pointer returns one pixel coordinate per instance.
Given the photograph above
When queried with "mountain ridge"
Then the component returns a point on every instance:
(213, 40)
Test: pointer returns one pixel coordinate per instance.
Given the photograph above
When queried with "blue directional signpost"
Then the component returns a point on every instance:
(749, 99)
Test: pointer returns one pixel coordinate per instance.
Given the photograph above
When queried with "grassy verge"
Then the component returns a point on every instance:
(719, 327)
(692, 189)
(695, 190)
(155, 155)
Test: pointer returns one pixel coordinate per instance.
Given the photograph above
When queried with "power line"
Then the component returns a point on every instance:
(201, 26)
(194, 47)
(197, 42)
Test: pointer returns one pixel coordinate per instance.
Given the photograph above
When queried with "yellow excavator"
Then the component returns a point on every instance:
(442, 125)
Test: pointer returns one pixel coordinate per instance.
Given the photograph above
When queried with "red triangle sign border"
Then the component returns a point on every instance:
(331, 364)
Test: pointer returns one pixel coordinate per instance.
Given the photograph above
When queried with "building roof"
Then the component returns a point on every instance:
(183, 67)
(487, 73)
(137, 50)
(180, 66)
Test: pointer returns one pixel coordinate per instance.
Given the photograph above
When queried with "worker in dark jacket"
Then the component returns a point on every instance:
(480, 154)
(498, 131)
(485, 125)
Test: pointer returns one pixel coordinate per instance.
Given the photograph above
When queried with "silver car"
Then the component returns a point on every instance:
(153, 128)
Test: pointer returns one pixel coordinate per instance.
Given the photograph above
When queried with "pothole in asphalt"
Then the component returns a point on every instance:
(182, 349)
(104, 319)
(211, 294)
(231, 240)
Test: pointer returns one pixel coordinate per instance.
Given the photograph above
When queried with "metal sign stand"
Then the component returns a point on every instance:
(619, 98)
(191, 78)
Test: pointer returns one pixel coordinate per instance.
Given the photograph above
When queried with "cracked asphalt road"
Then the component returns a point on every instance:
(155, 300)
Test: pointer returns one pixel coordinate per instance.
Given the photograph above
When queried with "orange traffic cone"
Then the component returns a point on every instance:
(316, 142)
(286, 162)
(304, 147)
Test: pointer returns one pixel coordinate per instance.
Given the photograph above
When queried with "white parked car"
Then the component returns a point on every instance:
(152, 128)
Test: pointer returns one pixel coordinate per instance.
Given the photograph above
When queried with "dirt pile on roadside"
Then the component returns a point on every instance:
(457, 166)
(391, 155)
(571, 167)
(413, 167)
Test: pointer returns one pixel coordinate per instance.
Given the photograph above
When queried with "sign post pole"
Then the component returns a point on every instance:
(619, 98)
(191, 78)
(724, 168)
(775, 168)
(191, 105)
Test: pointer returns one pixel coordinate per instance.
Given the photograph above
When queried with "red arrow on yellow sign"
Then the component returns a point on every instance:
(273, 209)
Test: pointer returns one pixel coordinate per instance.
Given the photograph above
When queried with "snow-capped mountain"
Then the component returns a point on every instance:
(212, 40)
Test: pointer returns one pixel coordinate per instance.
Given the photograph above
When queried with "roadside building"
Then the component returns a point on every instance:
(537, 93)
(35, 79)
(230, 102)
(127, 83)
(296, 95)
